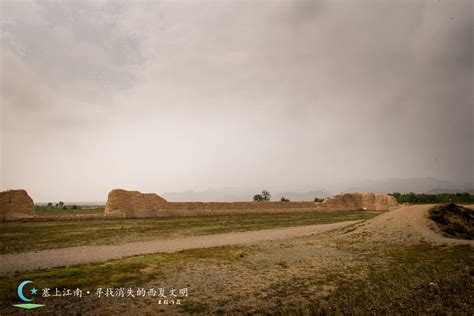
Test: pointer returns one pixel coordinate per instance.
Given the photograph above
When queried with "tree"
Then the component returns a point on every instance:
(50, 205)
(266, 195)
(262, 197)
(283, 199)
(317, 200)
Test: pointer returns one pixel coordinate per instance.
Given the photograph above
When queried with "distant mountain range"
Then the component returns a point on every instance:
(302, 196)
(239, 194)
(416, 185)
(402, 185)
(439, 191)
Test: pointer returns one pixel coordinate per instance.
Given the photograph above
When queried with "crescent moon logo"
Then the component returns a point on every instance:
(22, 296)
(20, 291)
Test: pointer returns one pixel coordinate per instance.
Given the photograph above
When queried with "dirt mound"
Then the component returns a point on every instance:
(16, 204)
(360, 201)
(135, 204)
(405, 225)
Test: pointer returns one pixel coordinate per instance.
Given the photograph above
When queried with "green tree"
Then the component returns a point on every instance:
(258, 198)
(266, 195)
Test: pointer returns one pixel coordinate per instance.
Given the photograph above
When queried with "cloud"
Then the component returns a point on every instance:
(165, 96)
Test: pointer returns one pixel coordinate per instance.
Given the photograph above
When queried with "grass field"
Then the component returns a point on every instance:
(331, 273)
(59, 212)
(25, 236)
(297, 277)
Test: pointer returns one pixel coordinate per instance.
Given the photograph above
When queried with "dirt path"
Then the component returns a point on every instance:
(51, 258)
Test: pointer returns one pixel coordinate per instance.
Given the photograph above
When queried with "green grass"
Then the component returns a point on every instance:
(27, 236)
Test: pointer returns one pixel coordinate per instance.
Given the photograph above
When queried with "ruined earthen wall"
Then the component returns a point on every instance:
(359, 201)
(16, 204)
(133, 204)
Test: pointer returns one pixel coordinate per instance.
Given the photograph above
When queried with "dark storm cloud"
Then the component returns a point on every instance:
(164, 96)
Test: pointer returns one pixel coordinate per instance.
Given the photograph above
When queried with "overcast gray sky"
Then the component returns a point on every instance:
(174, 95)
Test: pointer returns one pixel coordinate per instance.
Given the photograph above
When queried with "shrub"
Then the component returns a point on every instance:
(454, 220)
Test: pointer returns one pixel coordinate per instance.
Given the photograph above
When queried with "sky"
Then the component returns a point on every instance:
(163, 96)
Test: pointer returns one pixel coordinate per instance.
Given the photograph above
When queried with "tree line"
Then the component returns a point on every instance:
(424, 198)
(57, 206)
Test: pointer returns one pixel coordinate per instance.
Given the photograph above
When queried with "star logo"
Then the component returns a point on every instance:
(34, 291)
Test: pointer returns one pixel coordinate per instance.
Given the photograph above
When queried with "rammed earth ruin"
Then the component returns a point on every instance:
(17, 204)
(134, 204)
